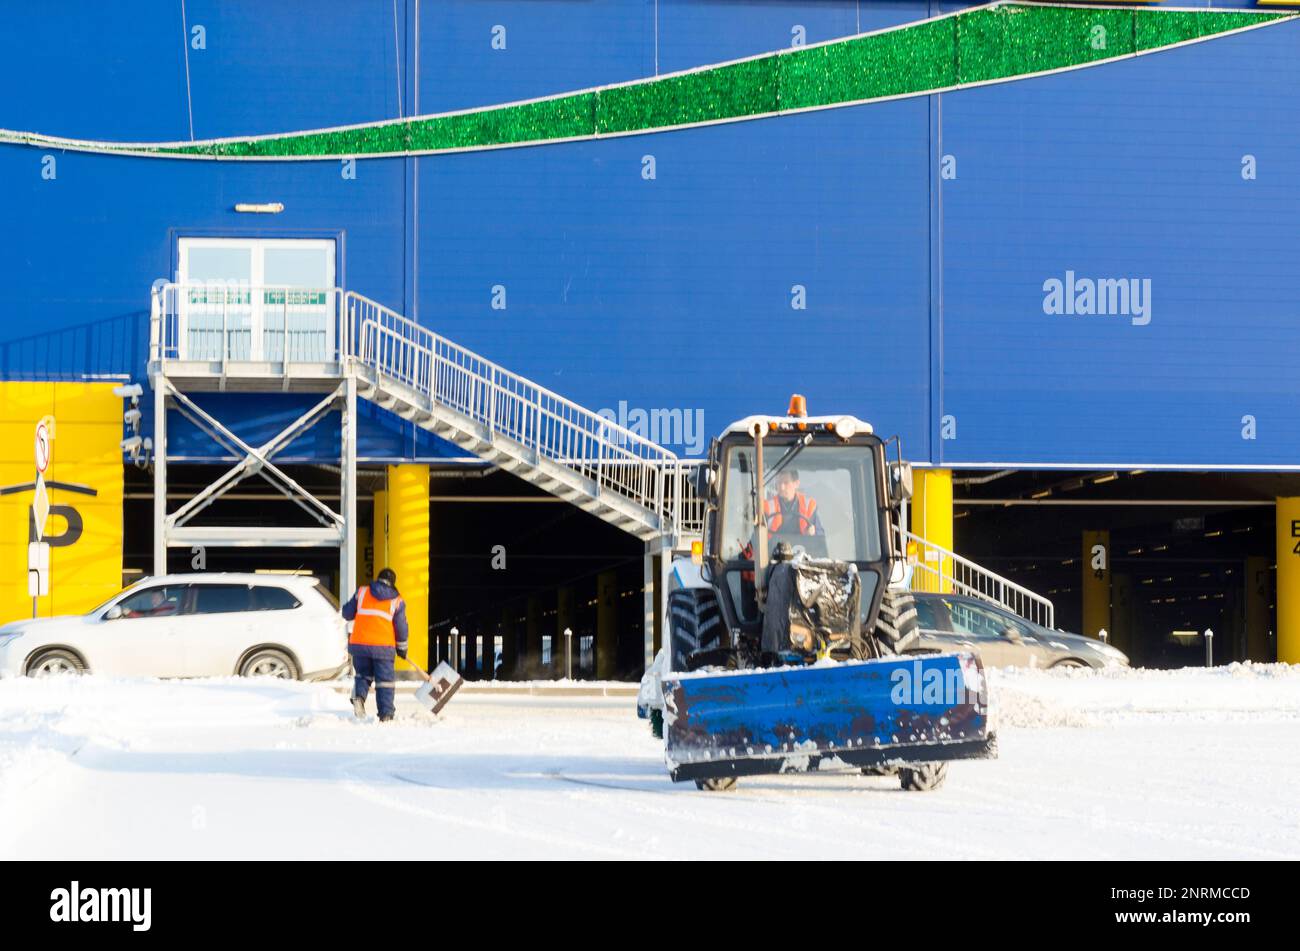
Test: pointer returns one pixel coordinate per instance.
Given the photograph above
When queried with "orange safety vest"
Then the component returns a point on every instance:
(374, 621)
(807, 508)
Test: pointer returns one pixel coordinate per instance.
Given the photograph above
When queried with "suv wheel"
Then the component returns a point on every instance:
(268, 662)
(52, 663)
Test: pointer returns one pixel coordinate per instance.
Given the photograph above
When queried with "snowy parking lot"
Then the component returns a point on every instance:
(1116, 764)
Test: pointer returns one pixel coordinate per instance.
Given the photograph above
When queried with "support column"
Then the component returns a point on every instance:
(408, 550)
(932, 521)
(1288, 580)
(606, 648)
(564, 618)
(649, 581)
(160, 476)
(531, 666)
(1122, 627)
(1096, 582)
(509, 645)
(348, 489)
(1259, 620)
(469, 646)
(657, 570)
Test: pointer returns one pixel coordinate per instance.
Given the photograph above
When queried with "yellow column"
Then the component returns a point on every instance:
(408, 550)
(1096, 582)
(932, 521)
(1288, 580)
(1259, 589)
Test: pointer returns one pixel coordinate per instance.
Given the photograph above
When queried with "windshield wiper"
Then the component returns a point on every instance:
(787, 458)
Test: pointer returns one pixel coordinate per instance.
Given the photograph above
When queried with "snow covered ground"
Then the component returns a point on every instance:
(1143, 764)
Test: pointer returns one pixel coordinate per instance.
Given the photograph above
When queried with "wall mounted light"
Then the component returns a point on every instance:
(263, 208)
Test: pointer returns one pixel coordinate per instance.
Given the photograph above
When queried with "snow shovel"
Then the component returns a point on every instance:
(437, 688)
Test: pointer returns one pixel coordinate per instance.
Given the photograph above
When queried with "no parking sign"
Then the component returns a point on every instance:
(44, 444)
(38, 551)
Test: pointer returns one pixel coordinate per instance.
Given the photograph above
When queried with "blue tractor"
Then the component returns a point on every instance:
(788, 645)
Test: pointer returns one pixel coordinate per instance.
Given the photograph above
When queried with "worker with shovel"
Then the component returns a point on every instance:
(379, 635)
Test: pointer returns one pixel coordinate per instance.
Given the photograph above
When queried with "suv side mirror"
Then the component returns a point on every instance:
(113, 613)
(900, 481)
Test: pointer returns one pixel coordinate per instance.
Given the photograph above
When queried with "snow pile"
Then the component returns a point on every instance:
(1078, 697)
(46, 722)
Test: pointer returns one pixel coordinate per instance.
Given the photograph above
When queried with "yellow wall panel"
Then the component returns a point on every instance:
(85, 525)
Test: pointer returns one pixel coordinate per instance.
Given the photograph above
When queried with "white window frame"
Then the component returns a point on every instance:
(257, 279)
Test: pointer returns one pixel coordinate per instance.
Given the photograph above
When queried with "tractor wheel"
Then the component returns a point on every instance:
(922, 777)
(695, 620)
(897, 627)
(720, 784)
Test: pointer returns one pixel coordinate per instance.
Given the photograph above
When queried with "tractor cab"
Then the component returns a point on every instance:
(781, 487)
(790, 653)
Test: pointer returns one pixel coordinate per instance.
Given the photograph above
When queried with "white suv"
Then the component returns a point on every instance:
(196, 625)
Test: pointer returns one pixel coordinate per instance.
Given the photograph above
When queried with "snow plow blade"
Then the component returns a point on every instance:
(889, 711)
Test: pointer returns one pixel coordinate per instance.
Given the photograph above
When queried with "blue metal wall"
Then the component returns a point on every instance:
(924, 295)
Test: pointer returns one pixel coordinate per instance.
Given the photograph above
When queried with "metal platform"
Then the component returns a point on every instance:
(244, 339)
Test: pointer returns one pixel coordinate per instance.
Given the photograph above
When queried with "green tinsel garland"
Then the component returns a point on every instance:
(985, 44)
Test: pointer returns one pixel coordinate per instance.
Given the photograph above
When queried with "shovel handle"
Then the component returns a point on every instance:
(418, 669)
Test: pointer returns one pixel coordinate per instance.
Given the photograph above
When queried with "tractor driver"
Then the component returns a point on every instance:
(789, 511)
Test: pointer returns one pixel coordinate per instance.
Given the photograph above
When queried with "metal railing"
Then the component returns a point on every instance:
(690, 507)
(616, 459)
(936, 569)
(221, 322)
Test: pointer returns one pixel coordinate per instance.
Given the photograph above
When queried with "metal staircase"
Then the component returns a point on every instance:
(519, 426)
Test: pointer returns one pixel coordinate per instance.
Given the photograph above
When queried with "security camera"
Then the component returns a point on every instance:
(132, 444)
(132, 418)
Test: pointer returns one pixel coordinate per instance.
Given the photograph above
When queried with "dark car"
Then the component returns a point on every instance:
(952, 622)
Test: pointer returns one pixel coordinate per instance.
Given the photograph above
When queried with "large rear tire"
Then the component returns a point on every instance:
(719, 784)
(922, 777)
(695, 621)
(898, 629)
